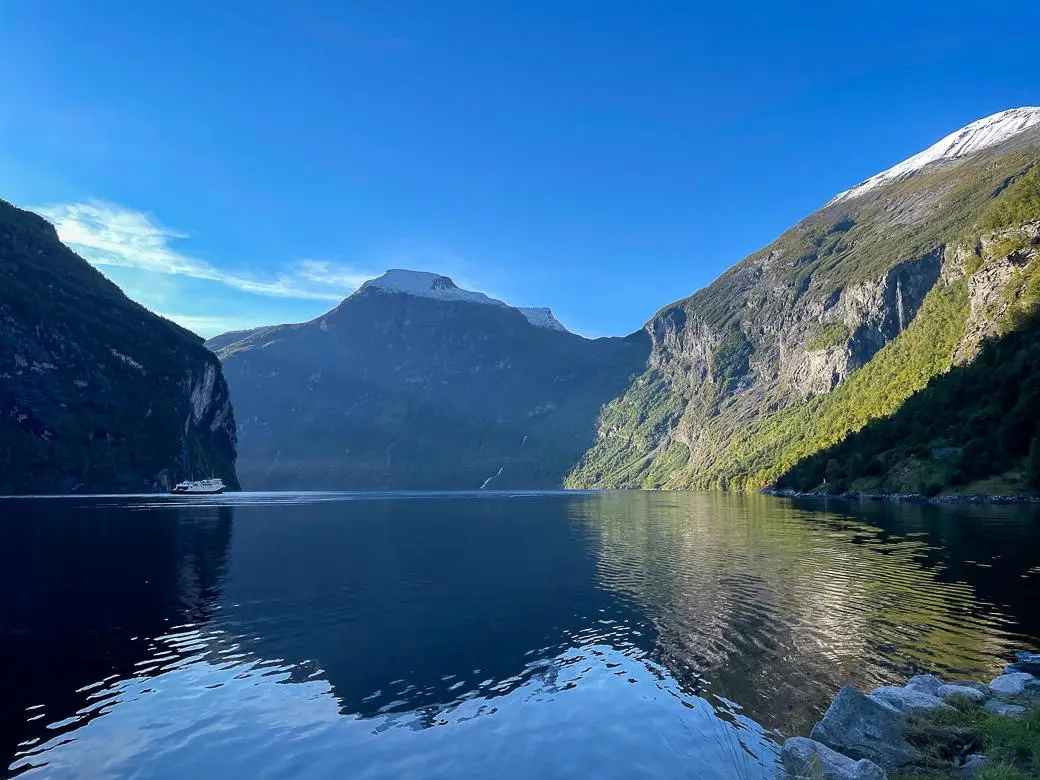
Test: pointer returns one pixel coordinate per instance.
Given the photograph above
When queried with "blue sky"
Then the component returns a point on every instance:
(242, 163)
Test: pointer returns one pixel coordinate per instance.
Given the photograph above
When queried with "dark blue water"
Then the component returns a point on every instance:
(511, 636)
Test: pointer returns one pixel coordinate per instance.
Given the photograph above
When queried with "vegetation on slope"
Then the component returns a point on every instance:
(762, 451)
(974, 428)
(1020, 203)
(974, 423)
(93, 387)
(719, 407)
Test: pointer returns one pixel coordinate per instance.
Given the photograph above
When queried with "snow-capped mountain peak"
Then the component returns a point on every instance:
(979, 135)
(424, 284)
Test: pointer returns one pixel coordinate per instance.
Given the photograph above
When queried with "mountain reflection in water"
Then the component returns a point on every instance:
(624, 634)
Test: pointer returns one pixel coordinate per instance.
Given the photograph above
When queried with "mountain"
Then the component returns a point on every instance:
(973, 429)
(836, 323)
(97, 394)
(413, 382)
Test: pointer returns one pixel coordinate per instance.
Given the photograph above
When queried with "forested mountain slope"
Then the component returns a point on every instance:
(97, 394)
(838, 322)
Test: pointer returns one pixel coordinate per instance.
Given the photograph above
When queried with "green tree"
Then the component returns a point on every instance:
(834, 471)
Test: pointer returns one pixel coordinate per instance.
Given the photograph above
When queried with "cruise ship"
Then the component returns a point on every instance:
(202, 486)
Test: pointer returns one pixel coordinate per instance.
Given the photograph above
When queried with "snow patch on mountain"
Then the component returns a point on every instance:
(979, 135)
(541, 316)
(424, 284)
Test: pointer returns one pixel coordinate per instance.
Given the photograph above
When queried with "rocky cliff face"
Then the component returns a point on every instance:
(973, 429)
(412, 383)
(97, 394)
(741, 372)
(1009, 252)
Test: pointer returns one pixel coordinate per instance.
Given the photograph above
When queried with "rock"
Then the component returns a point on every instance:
(909, 700)
(973, 765)
(927, 682)
(1010, 685)
(861, 727)
(999, 708)
(1027, 662)
(980, 687)
(801, 757)
(960, 691)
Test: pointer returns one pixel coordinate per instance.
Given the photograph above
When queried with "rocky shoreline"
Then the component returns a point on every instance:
(914, 498)
(864, 736)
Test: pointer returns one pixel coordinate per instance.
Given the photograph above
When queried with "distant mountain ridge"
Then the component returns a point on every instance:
(413, 382)
(429, 285)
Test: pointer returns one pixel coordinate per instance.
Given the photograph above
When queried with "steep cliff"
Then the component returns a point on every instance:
(413, 382)
(97, 394)
(837, 322)
(975, 428)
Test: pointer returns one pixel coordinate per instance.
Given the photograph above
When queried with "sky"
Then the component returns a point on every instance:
(237, 164)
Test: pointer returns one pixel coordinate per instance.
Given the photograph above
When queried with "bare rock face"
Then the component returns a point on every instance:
(860, 727)
(987, 285)
(871, 313)
(802, 758)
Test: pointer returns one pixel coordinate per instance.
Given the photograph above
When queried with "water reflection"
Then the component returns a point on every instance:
(557, 635)
(85, 590)
(775, 606)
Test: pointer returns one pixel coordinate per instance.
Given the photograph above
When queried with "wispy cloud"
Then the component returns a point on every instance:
(211, 326)
(106, 234)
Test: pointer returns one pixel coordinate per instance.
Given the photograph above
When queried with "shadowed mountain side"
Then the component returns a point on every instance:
(97, 394)
(395, 390)
(973, 429)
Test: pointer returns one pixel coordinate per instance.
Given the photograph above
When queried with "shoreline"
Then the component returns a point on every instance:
(906, 498)
(926, 727)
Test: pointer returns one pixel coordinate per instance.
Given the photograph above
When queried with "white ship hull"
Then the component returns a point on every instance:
(205, 487)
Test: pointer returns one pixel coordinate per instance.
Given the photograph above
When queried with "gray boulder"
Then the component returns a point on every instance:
(1011, 685)
(909, 699)
(1027, 662)
(929, 683)
(980, 687)
(861, 727)
(1000, 708)
(973, 765)
(960, 691)
(805, 758)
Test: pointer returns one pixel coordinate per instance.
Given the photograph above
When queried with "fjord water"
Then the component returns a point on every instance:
(484, 635)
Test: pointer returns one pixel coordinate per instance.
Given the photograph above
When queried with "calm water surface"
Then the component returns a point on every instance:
(616, 635)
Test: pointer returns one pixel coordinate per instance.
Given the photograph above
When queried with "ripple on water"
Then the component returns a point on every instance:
(617, 635)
